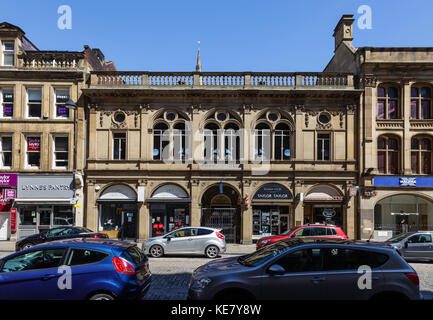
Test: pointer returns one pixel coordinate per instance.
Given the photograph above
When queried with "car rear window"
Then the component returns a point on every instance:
(133, 254)
(350, 259)
(85, 256)
(203, 232)
(331, 232)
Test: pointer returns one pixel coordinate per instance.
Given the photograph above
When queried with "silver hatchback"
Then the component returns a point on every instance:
(413, 245)
(188, 240)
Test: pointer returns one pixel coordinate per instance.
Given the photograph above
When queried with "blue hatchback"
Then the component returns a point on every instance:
(95, 269)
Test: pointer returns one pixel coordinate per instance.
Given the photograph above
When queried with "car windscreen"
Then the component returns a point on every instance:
(83, 230)
(133, 254)
(267, 253)
(285, 233)
(398, 238)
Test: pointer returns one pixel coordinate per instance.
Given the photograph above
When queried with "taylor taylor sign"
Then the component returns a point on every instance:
(273, 191)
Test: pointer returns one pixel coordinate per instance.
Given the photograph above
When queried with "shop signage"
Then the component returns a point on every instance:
(9, 193)
(33, 143)
(419, 182)
(8, 180)
(329, 213)
(273, 191)
(45, 187)
(13, 219)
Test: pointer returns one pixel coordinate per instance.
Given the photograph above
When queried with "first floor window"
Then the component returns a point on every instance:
(34, 103)
(61, 151)
(33, 153)
(323, 146)
(6, 152)
(7, 103)
(119, 145)
(421, 156)
(61, 96)
(388, 154)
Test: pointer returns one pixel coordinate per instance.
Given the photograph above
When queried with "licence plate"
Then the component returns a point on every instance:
(144, 270)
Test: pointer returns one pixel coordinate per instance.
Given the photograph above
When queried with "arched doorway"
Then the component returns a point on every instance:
(402, 213)
(118, 212)
(221, 210)
(324, 204)
(169, 209)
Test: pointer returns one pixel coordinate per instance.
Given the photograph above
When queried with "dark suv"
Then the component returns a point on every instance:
(308, 230)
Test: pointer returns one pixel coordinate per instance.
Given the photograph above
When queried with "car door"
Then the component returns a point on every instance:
(419, 246)
(345, 267)
(304, 277)
(179, 241)
(202, 238)
(31, 275)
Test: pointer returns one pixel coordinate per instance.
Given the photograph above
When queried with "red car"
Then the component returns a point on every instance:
(309, 230)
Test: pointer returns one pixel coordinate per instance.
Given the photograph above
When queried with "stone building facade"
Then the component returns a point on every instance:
(310, 120)
(396, 186)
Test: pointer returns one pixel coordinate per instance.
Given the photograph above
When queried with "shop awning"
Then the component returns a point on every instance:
(404, 213)
(117, 200)
(171, 200)
(42, 201)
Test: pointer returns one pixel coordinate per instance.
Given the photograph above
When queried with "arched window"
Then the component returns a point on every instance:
(388, 155)
(388, 102)
(211, 145)
(231, 142)
(179, 147)
(158, 142)
(262, 150)
(421, 155)
(282, 142)
(421, 103)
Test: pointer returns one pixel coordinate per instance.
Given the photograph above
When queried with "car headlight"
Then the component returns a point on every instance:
(200, 283)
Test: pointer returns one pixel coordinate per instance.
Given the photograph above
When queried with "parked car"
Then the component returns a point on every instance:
(100, 269)
(307, 269)
(59, 233)
(308, 230)
(187, 240)
(60, 221)
(413, 245)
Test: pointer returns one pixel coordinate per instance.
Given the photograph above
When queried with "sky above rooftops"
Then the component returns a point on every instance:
(234, 35)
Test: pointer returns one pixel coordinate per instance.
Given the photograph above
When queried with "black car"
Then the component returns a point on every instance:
(59, 233)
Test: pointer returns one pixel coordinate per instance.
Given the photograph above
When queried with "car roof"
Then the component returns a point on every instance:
(87, 242)
(322, 240)
(319, 225)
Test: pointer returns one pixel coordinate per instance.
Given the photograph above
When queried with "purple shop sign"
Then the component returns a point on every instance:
(8, 180)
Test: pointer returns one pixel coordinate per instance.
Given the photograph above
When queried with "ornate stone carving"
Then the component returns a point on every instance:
(369, 81)
(369, 193)
(196, 108)
(248, 108)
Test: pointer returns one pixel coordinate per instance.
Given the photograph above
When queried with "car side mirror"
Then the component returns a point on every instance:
(276, 269)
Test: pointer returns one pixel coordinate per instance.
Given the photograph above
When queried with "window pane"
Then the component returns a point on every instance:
(425, 92)
(28, 261)
(8, 46)
(35, 95)
(392, 144)
(426, 162)
(381, 143)
(33, 143)
(61, 143)
(63, 216)
(425, 144)
(34, 159)
(381, 92)
(393, 162)
(85, 256)
(392, 109)
(425, 109)
(414, 162)
(414, 92)
(414, 144)
(6, 143)
(414, 109)
(8, 59)
(392, 92)
(381, 109)
(53, 257)
(381, 161)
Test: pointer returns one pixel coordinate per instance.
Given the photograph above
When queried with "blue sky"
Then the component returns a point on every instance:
(235, 35)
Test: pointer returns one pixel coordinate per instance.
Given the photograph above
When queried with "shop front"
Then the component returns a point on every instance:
(324, 204)
(169, 209)
(8, 185)
(271, 206)
(403, 205)
(117, 206)
(44, 202)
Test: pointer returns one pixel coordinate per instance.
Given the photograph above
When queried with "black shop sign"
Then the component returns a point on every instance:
(273, 191)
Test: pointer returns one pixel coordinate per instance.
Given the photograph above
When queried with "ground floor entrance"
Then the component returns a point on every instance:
(166, 217)
(34, 219)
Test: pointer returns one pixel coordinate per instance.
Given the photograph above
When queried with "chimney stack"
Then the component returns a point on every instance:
(343, 32)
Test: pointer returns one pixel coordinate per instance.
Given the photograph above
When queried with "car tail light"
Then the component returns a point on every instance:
(95, 236)
(413, 277)
(219, 235)
(123, 266)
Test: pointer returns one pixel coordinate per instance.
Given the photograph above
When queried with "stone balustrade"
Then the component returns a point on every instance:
(51, 60)
(254, 80)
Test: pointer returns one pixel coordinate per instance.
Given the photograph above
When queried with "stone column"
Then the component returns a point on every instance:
(195, 212)
(298, 205)
(247, 215)
(92, 131)
(406, 141)
(350, 218)
(143, 221)
(91, 207)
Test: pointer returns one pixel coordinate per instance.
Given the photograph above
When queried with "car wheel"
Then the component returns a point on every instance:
(212, 252)
(102, 296)
(27, 245)
(156, 251)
